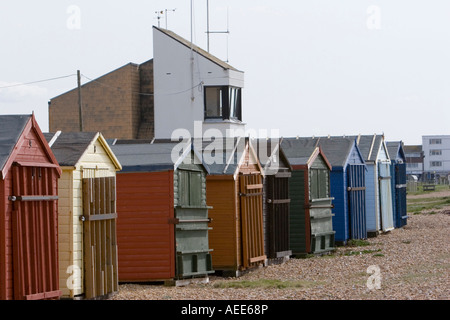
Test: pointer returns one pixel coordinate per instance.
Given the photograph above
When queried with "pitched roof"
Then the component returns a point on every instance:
(336, 149)
(302, 151)
(298, 151)
(369, 145)
(11, 128)
(223, 156)
(219, 157)
(149, 157)
(68, 147)
(395, 149)
(270, 154)
(197, 49)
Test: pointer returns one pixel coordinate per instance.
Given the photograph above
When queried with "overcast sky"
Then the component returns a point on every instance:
(311, 67)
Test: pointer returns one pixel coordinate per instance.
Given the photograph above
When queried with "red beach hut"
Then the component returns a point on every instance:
(29, 176)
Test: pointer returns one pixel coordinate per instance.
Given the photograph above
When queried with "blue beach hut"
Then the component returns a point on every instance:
(398, 182)
(348, 187)
(379, 210)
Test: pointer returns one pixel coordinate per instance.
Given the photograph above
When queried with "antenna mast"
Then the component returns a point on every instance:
(173, 10)
(158, 16)
(160, 13)
(192, 54)
(208, 32)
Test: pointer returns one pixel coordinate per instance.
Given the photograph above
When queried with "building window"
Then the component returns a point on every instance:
(435, 141)
(412, 155)
(435, 152)
(412, 165)
(223, 103)
(435, 163)
(213, 102)
(235, 103)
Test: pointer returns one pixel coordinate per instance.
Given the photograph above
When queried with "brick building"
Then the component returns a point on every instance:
(119, 103)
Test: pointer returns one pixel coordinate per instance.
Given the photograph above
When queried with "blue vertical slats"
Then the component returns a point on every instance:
(340, 219)
(357, 201)
(400, 195)
(387, 218)
(394, 192)
(371, 223)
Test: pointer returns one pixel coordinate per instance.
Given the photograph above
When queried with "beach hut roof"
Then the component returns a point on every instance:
(155, 156)
(395, 149)
(224, 156)
(69, 147)
(11, 128)
(270, 154)
(369, 145)
(302, 151)
(337, 149)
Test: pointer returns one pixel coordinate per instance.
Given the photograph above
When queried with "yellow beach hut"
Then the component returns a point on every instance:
(87, 214)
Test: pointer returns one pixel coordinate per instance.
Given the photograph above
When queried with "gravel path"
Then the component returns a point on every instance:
(413, 263)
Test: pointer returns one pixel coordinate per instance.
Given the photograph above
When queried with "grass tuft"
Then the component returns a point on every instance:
(358, 243)
(416, 206)
(265, 284)
(353, 253)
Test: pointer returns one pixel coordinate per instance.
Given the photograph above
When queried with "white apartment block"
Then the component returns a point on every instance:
(436, 149)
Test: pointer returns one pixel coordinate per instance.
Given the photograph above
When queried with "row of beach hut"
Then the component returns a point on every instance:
(80, 213)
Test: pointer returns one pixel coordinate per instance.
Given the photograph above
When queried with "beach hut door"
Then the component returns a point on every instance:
(400, 193)
(386, 209)
(100, 246)
(252, 232)
(356, 201)
(278, 203)
(35, 243)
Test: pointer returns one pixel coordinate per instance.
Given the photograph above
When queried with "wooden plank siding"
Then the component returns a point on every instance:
(266, 215)
(6, 270)
(319, 209)
(65, 233)
(93, 160)
(338, 183)
(29, 228)
(399, 194)
(236, 243)
(31, 149)
(100, 246)
(34, 224)
(356, 193)
(224, 237)
(44, 220)
(371, 197)
(251, 191)
(310, 184)
(191, 212)
(145, 237)
(277, 204)
(298, 234)
(385, 192)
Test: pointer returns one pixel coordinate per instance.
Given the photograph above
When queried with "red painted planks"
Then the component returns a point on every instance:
(146, 248)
